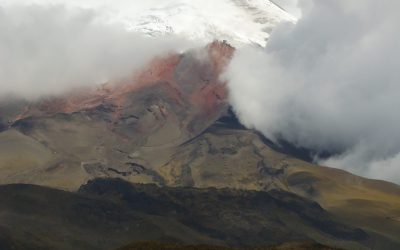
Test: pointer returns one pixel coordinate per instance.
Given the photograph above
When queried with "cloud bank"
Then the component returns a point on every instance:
(47, 49)
(330, 82)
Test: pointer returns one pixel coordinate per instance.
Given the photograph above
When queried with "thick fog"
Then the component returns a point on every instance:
(330, 82)
(46, 49)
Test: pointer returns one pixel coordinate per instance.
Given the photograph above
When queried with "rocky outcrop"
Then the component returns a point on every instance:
(188, 85)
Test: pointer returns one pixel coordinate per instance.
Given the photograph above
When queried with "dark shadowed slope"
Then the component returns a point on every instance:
(166, 246)
(108, 213)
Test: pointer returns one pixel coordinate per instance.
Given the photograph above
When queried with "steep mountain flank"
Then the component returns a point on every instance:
(117, 129)
(170, 125)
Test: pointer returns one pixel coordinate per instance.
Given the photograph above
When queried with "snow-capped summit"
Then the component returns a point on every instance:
(237, 21)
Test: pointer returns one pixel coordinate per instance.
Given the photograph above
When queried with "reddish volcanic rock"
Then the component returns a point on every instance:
(220, 55)
(190, 80)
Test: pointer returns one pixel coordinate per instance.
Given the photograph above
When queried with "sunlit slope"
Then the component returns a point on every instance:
(20, 155)
(221, 157)
(240, 159)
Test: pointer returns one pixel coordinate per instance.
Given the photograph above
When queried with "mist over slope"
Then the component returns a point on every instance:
(49, 47)
(330, 82)
(102, 101)
(48, 50)
(327, 82)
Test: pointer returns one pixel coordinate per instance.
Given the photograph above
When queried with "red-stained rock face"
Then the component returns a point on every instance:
(187, 87)
(205, 93)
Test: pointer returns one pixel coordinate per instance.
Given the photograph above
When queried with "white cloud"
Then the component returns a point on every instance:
(47, 49)
(330, 82)
(49, 46)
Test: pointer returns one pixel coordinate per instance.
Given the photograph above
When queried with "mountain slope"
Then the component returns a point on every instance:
(114, 130)
(106, 214)
(165, 246)
(170, 125)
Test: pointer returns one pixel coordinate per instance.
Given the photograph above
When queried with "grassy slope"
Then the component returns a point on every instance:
(220, 157)
(107, 214)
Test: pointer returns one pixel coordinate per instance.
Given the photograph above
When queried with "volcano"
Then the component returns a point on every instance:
(171, 101)
(169, 127)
